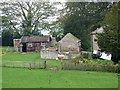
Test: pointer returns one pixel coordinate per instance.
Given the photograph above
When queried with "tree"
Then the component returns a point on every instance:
(109, 40)
(56, 28)
(7, 38)
(25, 18)
(83, 17)
(57, 31)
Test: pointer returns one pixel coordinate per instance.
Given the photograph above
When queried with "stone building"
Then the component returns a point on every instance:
(16, 43)
(94, 38)
(69, 43)
(33, 43)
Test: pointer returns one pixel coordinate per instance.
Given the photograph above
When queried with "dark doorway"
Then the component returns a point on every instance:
(24, 48)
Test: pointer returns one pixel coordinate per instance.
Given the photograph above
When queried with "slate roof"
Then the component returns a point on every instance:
(34, 39)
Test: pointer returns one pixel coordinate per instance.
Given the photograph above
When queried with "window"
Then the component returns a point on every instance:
(42, 44)
(95, 40)
(30, 44)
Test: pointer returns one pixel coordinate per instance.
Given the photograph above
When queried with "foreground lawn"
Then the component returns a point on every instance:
(40, 78)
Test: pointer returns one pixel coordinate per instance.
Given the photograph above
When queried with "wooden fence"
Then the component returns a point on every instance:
(22, 64)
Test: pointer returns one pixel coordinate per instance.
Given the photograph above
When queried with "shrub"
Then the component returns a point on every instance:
(91, 67)
(87, 55)
(94, 56)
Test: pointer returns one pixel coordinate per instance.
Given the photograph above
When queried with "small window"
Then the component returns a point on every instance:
(30, 44)
(42, 43)
(95, 40)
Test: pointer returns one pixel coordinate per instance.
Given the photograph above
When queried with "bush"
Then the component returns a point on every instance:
(91, 67)
(94, 56)
(79, 58)
(87, 55)
(83, 64)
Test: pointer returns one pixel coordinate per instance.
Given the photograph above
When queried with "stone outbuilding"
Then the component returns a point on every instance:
(94, 38)
(33, 43)
(69, 43)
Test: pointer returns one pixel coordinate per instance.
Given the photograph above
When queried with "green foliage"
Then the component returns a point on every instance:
(84, 64)
(81, 58)
(98, 62)
(83, 17)
(87, 55)
(25, 18)
(57, 31)
(7, 38)
(91, 66)
(109, 40)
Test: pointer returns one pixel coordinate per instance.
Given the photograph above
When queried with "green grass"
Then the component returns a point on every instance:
(9, 55)
(98, 62)
(25, 78)
(16, 56)
(6, 48)
(40, 78)
(27, 57)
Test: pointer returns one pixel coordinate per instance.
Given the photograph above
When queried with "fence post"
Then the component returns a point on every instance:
(34, 65)
(39, 65)
(44, 64)
(29, 66)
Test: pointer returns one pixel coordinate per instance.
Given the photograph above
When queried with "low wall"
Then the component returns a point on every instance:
(49, 54)
(46, 54)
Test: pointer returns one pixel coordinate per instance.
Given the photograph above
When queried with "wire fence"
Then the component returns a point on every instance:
(22, 64)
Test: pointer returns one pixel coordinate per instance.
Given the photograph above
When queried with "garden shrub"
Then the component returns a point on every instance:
(91, 67)
(87, 55)
(94, 56)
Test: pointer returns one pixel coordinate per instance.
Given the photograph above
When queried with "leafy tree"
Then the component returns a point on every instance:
(7, 38)
(57, 31)
(83, 17)
(56, 28)
(109, 40)
(25, 18)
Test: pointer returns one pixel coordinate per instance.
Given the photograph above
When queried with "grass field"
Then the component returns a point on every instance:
(25, 78)
(46, 78)
(8, 55)
(27, 57)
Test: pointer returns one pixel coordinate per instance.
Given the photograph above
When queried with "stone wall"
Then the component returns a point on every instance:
(45, 54)
(94, 43)
(16, 43)
(49, 54)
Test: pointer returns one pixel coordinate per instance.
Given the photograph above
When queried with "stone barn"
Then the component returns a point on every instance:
(33, 43)
(69, 43)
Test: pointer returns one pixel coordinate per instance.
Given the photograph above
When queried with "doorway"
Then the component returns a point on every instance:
(24, 48)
